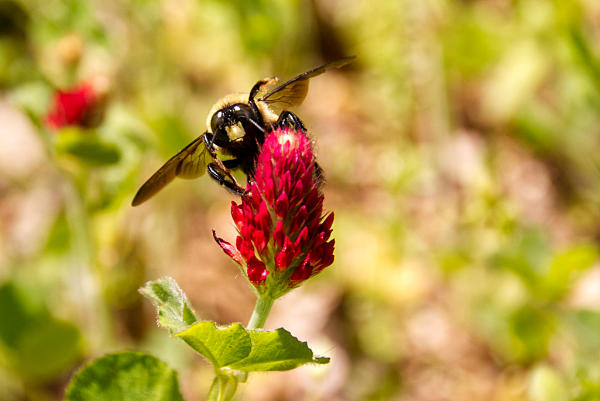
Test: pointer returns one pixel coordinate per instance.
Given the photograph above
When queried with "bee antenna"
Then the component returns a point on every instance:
(255, 124)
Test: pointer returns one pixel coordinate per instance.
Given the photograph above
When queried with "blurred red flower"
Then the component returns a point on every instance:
(283, 235)
(82, 105)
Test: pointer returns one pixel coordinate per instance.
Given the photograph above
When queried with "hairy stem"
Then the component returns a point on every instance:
(261, 312)
(224, 387)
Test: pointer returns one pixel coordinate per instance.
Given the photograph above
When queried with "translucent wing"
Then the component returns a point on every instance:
(190, 162)
(293, 92)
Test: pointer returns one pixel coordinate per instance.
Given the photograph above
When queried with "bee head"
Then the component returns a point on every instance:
(230, 122)
(230, 118)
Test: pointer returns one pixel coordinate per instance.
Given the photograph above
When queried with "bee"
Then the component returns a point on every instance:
(236, 127)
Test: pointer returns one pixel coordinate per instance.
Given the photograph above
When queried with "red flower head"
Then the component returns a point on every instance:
(283, 236)
(82, 105)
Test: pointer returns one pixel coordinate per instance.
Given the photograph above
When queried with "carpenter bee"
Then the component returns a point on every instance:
(236, 127)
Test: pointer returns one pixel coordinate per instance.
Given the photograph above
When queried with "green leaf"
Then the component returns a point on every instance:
(36, 344)
(59, 237)
(584, 326)
(531, 331)
(526, 254)
(566, 268)
(590, 390)
(126, 376)
(231, 346)
(174, 310)
(90, 150)
(220, 345)
(545, 384)
(276, 350)
(248, 350)
(25, 314)
(49, 350)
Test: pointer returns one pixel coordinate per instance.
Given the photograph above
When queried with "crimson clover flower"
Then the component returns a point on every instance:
(283, 235)
(82, 105)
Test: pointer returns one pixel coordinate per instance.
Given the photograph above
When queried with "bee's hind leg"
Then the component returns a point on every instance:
(289, 119)
(219, 173)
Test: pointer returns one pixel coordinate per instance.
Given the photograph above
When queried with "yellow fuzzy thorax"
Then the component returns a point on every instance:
(268, 114)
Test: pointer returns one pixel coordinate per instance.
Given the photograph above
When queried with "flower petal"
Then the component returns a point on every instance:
(228, 249)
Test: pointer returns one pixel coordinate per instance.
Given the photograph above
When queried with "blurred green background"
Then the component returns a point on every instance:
(461, 156)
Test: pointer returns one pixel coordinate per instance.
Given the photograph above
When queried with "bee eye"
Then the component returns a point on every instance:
(217, 121)
(242, 112)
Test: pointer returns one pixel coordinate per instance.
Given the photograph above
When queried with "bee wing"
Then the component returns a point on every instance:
(190, 162)
(293, 92)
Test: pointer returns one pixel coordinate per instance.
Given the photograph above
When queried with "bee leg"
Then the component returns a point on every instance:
(209, 140)
(319, 175)
(220, 174)
(220, 168)
(289, 119)
(231, 163)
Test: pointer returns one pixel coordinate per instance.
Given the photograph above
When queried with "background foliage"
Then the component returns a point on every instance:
(461, 157)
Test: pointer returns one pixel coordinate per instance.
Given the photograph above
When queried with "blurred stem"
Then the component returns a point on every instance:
(585, 54)
(261, 312)
(84, 280)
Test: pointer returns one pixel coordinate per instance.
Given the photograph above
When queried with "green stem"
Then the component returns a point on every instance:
(261, 312)
(224, 386)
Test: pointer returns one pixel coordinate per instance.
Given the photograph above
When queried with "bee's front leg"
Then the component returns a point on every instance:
(289, 119)
(210, 140)
(220, 173)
